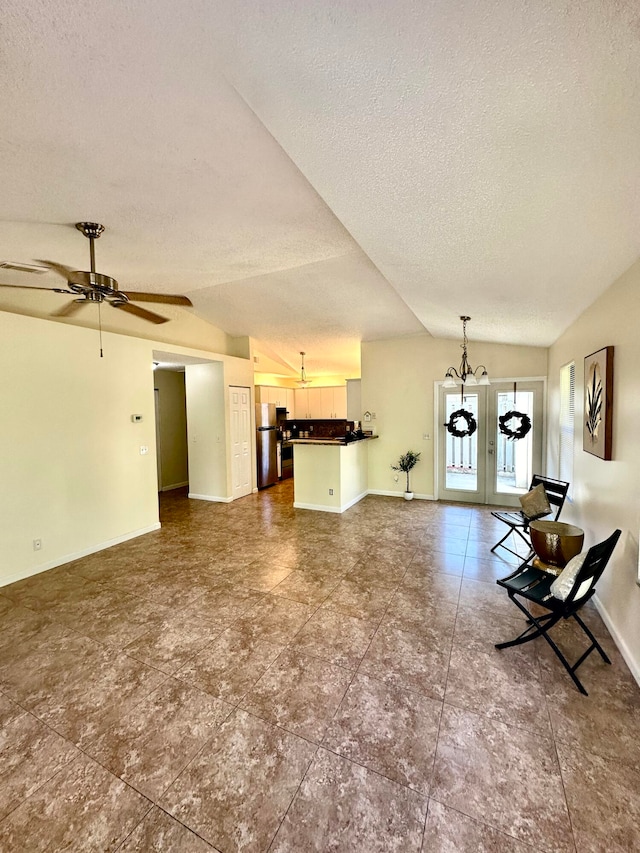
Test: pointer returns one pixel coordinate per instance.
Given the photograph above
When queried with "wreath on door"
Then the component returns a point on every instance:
(452, 424)
(520, 431)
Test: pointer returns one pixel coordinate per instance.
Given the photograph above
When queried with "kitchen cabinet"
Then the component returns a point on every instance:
(280, 397)
(301, 406)
(321, 403)
(340, 401)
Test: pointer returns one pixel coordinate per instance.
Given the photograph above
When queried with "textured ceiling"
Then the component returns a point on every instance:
(313, 175)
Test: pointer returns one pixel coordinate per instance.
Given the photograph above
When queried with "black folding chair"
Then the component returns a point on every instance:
(518, 522)
(533, 584)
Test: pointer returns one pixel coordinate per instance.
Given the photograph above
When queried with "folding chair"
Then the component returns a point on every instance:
(533, 584)
(518, 522)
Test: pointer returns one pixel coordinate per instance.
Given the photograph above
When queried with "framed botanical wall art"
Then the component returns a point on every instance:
(597, 428)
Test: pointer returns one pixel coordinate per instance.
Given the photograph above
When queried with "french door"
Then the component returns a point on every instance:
(488, 466)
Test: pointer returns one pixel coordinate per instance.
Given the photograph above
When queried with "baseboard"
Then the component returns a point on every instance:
(633, 664)
(388, 494)
(212, 498)
(323, 508)
(174, 486)
(77, 555)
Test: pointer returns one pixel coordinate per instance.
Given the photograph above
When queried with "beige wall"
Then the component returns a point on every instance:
(206, 401)
(172, 428)
(71, 473)
(398, 386)
(606, 495)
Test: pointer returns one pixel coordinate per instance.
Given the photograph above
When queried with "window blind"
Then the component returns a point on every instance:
(567, 421)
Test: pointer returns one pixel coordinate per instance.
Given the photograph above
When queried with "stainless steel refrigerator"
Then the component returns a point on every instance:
(266, 444)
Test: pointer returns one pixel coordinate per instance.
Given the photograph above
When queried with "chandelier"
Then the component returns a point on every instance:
(303, 381)
(465, 375)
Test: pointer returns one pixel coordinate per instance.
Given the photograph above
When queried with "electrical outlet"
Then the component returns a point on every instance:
(426, 436)
(330, 491)
(143, 450)
(37, 544)
(396, 477)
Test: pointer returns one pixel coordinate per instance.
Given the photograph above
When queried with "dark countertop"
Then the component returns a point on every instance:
(329, 442)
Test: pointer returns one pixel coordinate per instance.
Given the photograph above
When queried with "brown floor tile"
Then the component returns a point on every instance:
(231, 665)
(259, 603)
(299, 693)
(436, 586)
(30, 755)
(300, 586)
(344, 807)
(418, 613)
(359, 599)
(334, 637)
(388, 730)
(170, 644)
(449, 831)
(160, 832)
(428, 562)
(501, 686)
(83, 807)
(236, 792)
(108, 685)
(376, 571)
(408, 661)
(151, 744)
(502, 776)
(275, 619)
(603, 799)
(488, 596)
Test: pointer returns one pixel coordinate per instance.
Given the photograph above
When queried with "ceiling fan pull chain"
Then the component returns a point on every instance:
(100, 324)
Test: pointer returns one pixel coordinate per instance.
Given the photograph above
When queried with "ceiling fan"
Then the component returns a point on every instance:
(94, 287)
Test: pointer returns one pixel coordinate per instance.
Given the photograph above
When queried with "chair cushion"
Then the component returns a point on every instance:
(563, 584)
(535, 504)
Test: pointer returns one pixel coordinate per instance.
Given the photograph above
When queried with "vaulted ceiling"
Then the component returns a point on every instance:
(317, 174)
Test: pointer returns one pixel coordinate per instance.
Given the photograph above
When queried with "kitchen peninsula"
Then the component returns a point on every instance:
(331, 474)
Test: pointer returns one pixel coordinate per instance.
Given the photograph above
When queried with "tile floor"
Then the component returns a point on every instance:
(253, 677)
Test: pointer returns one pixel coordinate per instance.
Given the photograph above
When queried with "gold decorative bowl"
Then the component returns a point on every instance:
(555, 542)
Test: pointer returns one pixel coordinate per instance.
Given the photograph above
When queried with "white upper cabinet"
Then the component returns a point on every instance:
(321, 403)
(280, 397)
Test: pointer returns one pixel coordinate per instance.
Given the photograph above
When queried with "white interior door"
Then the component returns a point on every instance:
(240, 415)
(489, 467)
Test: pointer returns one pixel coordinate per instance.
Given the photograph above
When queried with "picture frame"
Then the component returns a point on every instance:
(597, 423)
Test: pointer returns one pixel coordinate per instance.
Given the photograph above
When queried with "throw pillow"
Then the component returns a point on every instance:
(563, 584)
(535, 504)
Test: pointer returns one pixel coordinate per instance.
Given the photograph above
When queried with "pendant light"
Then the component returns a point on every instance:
(303, 381)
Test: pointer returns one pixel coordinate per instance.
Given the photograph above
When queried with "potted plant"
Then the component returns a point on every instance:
(406, 462)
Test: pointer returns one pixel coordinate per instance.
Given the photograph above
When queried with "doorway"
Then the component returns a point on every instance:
(489, 466)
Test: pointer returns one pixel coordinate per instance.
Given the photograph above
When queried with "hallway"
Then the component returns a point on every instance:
(253, 677)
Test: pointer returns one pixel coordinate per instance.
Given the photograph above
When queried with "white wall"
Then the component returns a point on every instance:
(397, 385)
(606, 495)
(209, 474)
(172, 427)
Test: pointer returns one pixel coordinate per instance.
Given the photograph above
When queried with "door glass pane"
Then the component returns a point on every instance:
(514, 457)
(461, 454)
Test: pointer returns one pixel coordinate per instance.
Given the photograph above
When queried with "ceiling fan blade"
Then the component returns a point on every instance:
(139, 312)
(26, 287)
(61, 269)
(70, 308)
(138, 296)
